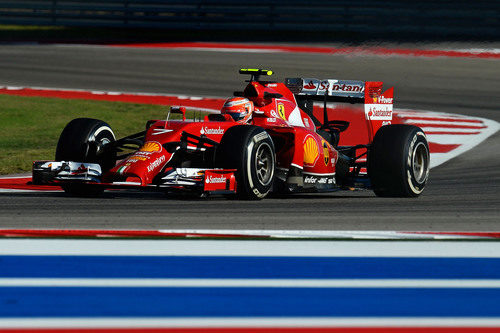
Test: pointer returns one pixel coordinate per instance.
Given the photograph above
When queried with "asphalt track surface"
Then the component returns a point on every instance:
(462, 194)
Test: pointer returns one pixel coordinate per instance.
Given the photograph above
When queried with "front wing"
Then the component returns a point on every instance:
(57, 173)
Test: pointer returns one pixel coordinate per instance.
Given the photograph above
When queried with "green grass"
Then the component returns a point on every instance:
(13, 27)
(30, 126)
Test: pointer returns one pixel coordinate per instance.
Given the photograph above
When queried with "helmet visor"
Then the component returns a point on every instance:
(237, 116)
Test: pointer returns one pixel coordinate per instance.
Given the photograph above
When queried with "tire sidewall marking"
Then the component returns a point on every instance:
(256, 150)
(416, 187)
(249, 164)
(99, 130)
(251, 152)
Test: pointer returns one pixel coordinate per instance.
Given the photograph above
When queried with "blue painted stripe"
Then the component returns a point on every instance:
(248, 267)
(247, 302)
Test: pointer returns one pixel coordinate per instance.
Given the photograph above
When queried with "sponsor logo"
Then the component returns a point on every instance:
(281, 111)
(323, 86)
(214, 131)
(378, 111)
(271, 120)
(260, 137)
(237, 102)
(215, 180)
(310, 86)
(347, 88)
(310, 179)
(145, 153)
(151, 146)
(318, 180)
(384, 100)
(326, 152)
(137, 158)
(156, 163)
(311, 150)
(306, 122)
(272, 85)
(81, 169)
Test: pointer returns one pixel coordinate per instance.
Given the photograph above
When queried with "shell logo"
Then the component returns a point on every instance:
(151, 146)
(311, 151)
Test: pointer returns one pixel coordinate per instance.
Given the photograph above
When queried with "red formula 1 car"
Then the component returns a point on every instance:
(284, 144)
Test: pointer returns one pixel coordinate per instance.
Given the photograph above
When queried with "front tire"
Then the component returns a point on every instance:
(398, 161)
(249, 150)
(84, 140)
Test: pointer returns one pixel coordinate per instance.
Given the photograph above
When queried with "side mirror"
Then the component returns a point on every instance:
(179, 110)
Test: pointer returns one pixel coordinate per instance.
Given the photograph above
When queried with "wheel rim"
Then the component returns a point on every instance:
(420, 162)
(101, 143)
(264, 164)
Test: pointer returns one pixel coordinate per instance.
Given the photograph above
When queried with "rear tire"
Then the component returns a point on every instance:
(83, 140)
(398, 161)
(249, 150)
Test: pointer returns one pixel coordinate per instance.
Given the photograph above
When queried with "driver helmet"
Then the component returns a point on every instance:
(239, 108)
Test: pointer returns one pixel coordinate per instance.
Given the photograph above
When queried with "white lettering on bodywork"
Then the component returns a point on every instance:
(205, 130)
(378, 111)
(215, 180)
(156, 163)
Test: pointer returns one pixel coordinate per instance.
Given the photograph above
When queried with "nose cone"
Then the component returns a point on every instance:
(144, 164)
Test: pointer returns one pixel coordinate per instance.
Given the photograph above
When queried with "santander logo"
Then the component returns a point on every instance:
(215, 180)
(310, 85)
(206, 130)
(348, 87)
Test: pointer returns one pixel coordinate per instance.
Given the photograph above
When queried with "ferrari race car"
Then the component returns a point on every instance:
(288, 145)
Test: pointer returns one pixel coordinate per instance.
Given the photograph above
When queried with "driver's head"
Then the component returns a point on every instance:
(239, 108)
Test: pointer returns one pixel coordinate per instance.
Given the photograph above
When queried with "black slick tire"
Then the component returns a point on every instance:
(398, 161)
(249, 150)
(83, 140)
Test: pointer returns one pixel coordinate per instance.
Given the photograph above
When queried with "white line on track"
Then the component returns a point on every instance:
(262, 283)
(8, 190)
(476, 126)
(145, 322)
(408, 113)
(348, 234)
(447, 139)
(219, 49)
(465, 142)
(250, 248)
(478, 50)
(16, 176)
(428, 130)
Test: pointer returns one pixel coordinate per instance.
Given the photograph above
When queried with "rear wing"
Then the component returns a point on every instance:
(377, 105)
(334, 90)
